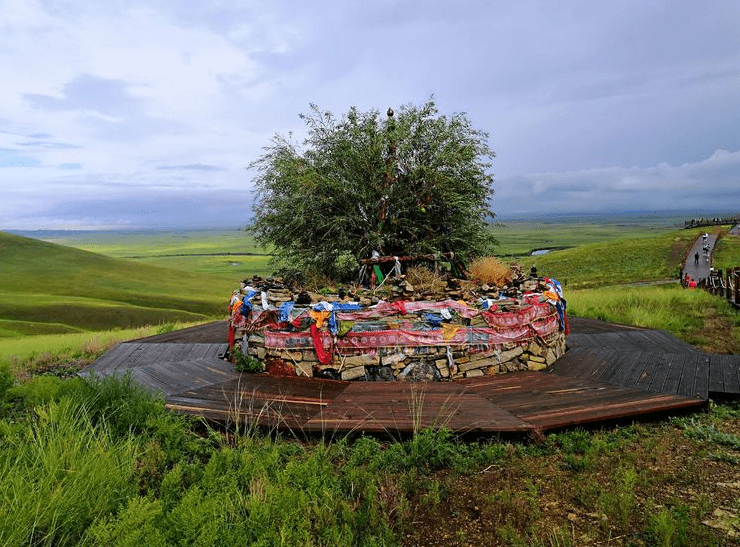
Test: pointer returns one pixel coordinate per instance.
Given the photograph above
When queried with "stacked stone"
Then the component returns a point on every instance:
(458, 359)
(415, 363)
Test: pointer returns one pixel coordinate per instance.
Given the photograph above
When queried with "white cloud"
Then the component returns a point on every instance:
(588, 105)
(709, 183)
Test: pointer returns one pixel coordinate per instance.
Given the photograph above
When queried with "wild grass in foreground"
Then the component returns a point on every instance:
(695, 316)
(101, 462)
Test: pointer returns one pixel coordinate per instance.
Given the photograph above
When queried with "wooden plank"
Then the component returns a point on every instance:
(649, 341)
(660, 373)
(688, 377)
(601, 362)
(153, 352)
(716, 375)
(651, 363)
(269, 414)
(261, 400)
(585, 363)
(626, 375)
(409, 407)
(543, 392)
(116, 357)
(614, 368)
(569, 363)
(181, 351)
(611, 411)
(198, 351)
(701, 377)
(582, 341)
(580, 362)
(730, 374)
(150, 381)
(570, 401)
(216, 351)
(673, 379)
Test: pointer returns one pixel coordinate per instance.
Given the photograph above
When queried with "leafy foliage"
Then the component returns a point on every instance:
(244, 362)
(413, 183)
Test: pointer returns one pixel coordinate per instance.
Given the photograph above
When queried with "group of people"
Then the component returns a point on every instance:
(705, 248)
(688, 282)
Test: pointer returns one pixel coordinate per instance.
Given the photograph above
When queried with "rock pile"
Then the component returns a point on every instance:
(455, 330)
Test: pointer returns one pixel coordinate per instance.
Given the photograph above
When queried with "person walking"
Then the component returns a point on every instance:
(696, 258)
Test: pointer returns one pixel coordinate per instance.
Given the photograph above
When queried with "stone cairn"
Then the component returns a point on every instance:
(460, 330)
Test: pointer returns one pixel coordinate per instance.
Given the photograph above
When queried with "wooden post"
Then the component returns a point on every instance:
(728, 290)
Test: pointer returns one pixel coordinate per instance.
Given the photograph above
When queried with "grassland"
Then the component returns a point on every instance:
(727, 252)
(620, 261)
(232, 253)
(89, 462)
(519, 238)
(49, 288)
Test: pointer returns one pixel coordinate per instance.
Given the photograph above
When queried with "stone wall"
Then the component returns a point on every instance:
(402, 340)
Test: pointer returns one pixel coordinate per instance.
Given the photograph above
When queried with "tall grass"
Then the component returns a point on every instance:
(101, 462)
(59, 474)
(727, 252)
(666, 307)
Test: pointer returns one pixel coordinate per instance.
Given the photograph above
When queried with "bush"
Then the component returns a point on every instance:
(243, 362)
(490, 271)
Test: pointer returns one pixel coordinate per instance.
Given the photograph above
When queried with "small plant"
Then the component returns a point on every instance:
(620, 503)
(491, 271)
(424, 280)
(164, 328)
(669, 527)
(245, 363)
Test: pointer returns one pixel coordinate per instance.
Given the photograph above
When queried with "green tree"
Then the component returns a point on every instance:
(410, 183)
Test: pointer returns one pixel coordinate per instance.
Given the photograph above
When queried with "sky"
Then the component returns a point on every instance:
(138, 114)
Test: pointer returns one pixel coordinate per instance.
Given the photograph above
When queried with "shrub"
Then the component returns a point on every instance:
(424, 280)
(490, 271)
(245, 363)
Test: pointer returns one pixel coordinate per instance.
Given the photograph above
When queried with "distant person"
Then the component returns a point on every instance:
(696, 258)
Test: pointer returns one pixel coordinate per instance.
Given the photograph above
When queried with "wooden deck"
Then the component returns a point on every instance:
(610, 372)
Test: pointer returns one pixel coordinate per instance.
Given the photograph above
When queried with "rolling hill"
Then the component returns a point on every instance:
(50, 288)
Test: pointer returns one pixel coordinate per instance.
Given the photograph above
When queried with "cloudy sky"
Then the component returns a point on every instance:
(129, 113)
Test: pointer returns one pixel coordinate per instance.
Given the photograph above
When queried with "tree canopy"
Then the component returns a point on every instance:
(413, 182)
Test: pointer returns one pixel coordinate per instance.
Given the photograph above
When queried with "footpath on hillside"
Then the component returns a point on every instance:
(699, 258)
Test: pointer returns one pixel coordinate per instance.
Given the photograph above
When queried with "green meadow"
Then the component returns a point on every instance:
(224, 252)
(647, 258)
(69, 294)
(50, 288)
(727, 253)
(88, 461)
(520, 237)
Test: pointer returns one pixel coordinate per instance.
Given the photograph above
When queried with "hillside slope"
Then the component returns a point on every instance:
(44, 284)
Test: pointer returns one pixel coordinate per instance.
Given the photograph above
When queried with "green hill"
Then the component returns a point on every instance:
(634, 259)
(49, 288)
